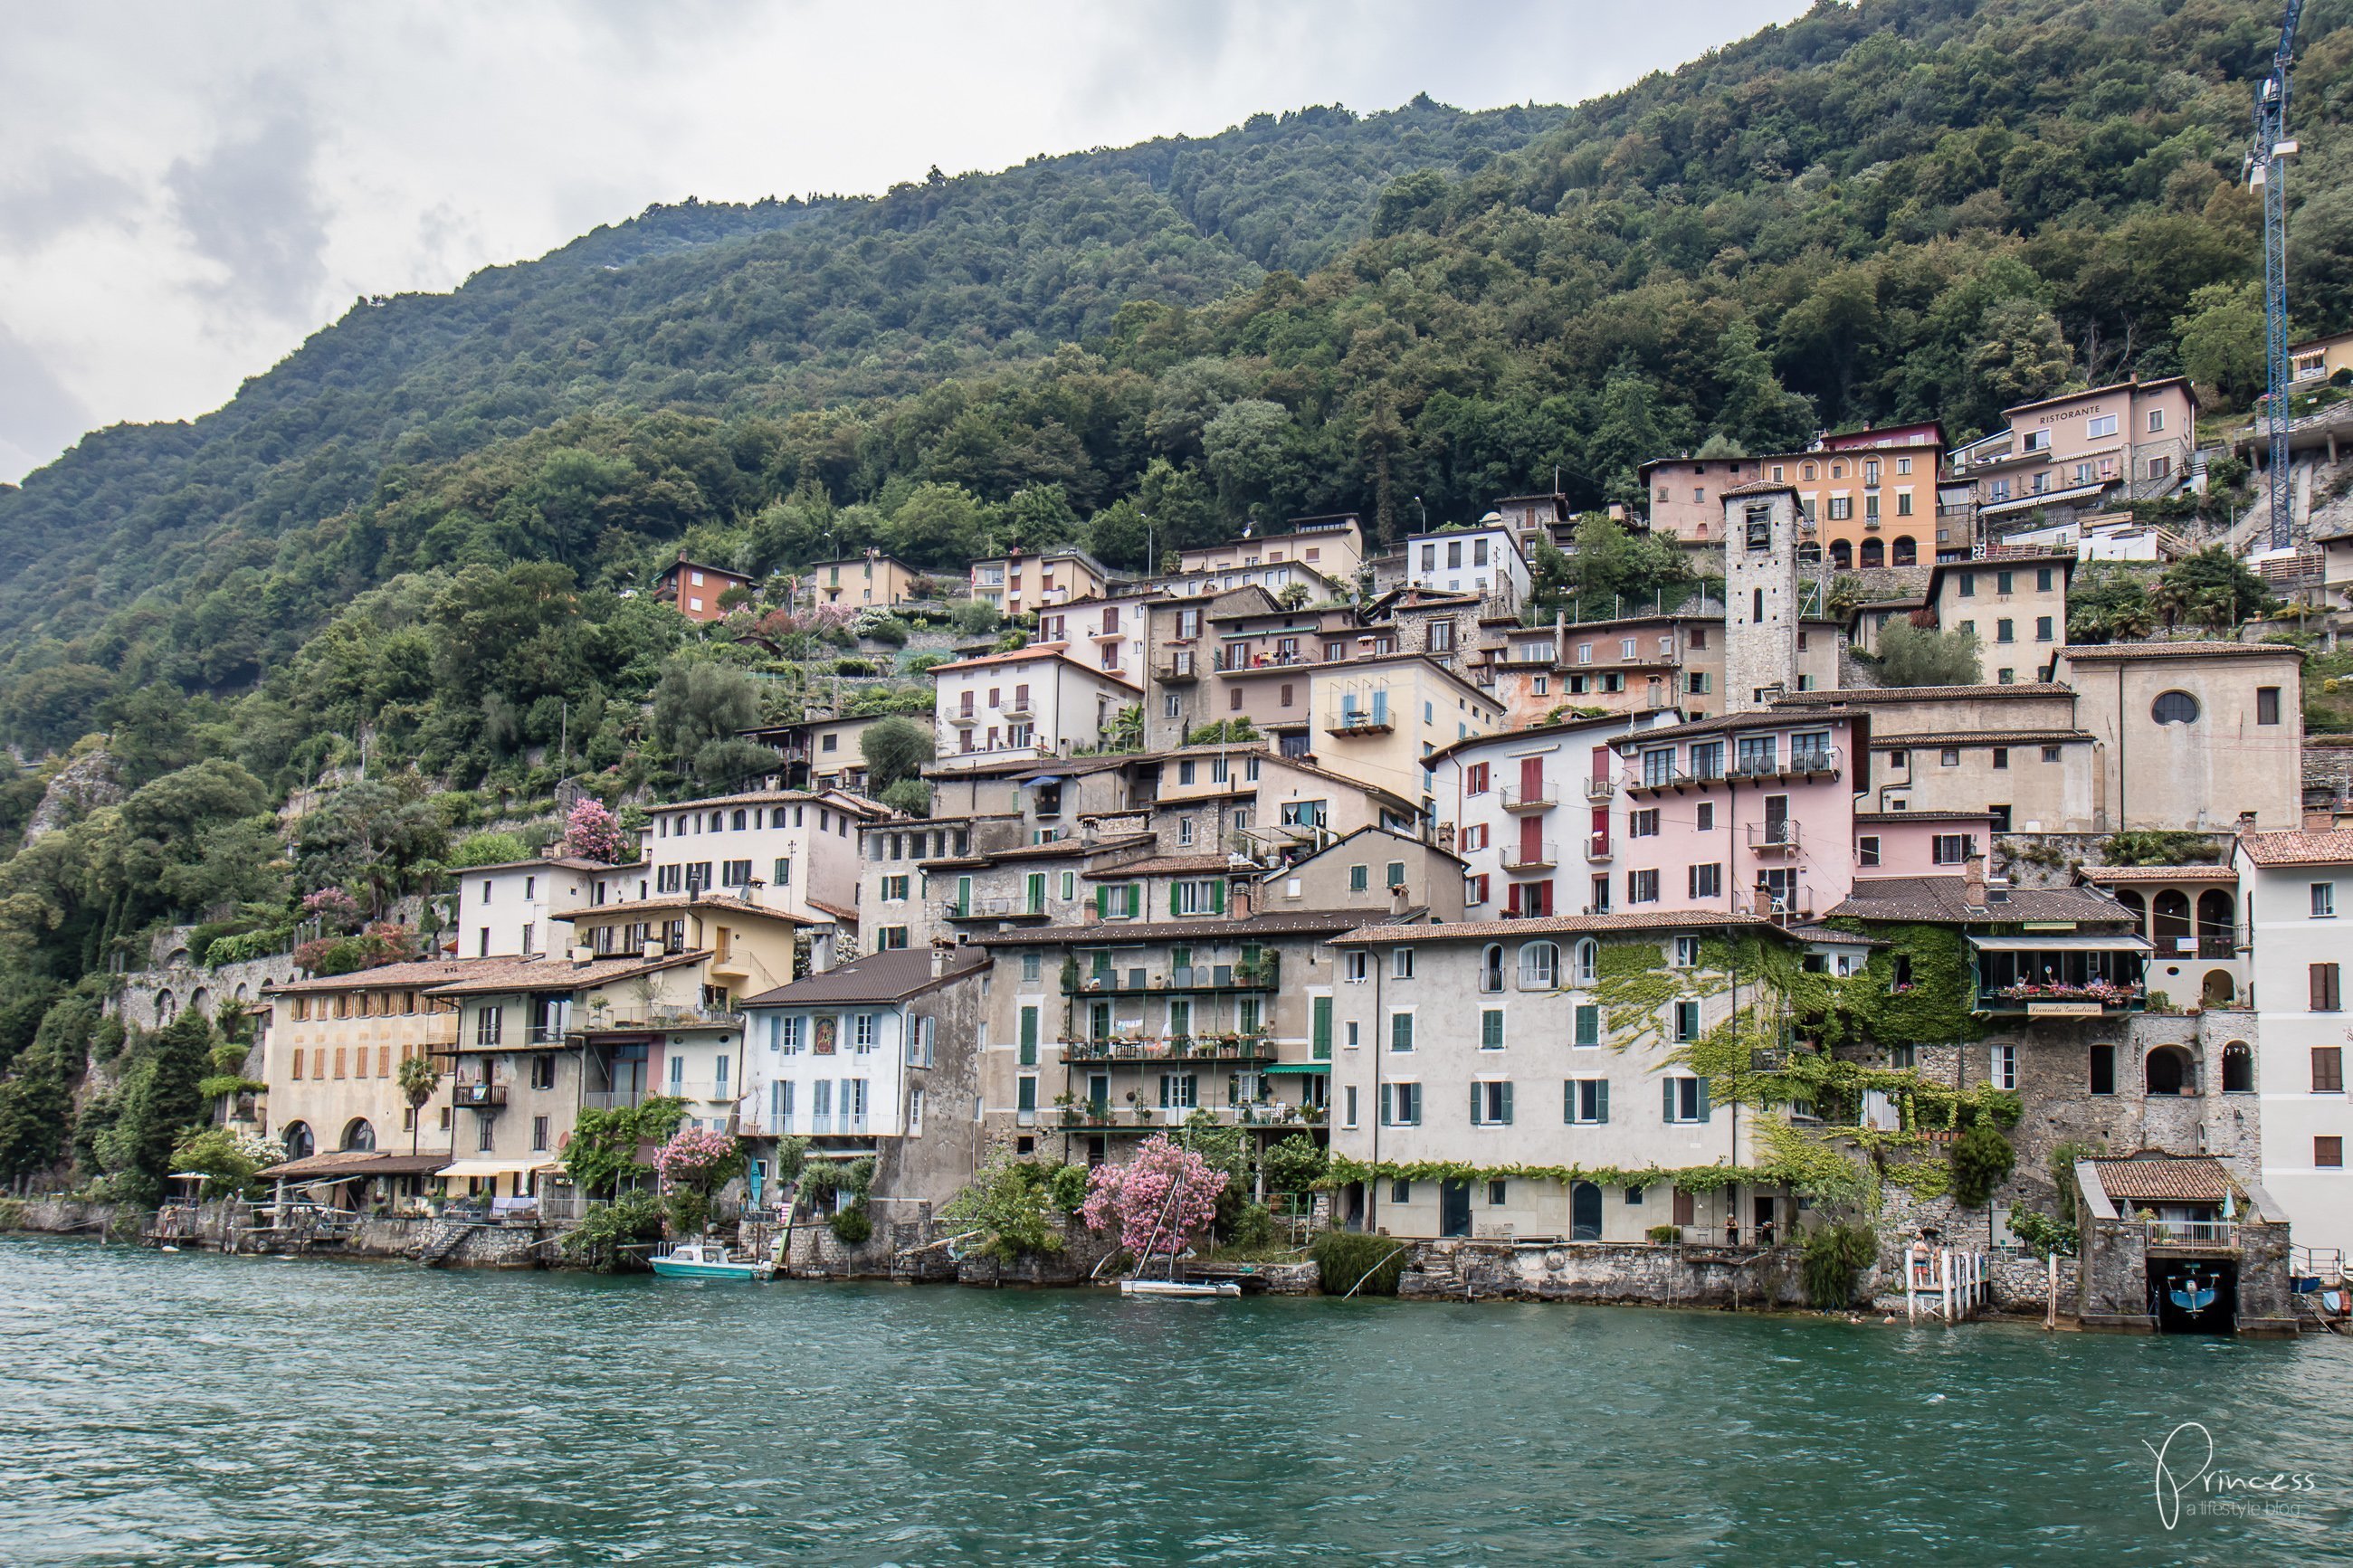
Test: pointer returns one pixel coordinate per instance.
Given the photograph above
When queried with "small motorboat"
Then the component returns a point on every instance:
(1181, 1289)
(2193, 1294)
(709, 1260)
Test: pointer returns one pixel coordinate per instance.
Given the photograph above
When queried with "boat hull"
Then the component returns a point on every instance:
(1176, 1289)
(668, 1270)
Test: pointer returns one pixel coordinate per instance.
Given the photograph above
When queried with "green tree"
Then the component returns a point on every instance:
(159, 1103)
(894, 750)
(601, 1157)
(2221, 339)
(418, 1079)
(1922, 655)
(2021, 353)
(936, 525)
(697, 703)
(2211, 588)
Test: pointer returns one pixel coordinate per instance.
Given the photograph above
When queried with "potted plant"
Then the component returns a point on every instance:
(1664, 1235)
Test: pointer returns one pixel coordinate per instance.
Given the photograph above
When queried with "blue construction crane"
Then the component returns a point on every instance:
(2266, 171)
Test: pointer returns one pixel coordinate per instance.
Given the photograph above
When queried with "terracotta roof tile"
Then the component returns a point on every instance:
(422, 972)
(1944, 900)
(2101, 652)
(1864, 696)
(498, 976)
(1551, 925)
(1980, 738)
(1167, 865)
(891, 976)
(2334, 848)
(2164, 873)
(1289, 922)
(2179, 1178)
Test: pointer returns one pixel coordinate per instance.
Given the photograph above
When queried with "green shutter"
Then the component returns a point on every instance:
(1036, 892)
(1475, 1107)
(1702, 1098)
(1103, 902)
(1135, 900)
(1491, 1029)
(1218, 897)
(964, 895)
(1029, 1037)
(1507, 1105)
(1601, 1101)
(1667, 1097)
(1175, 889)
(1568, 1100)
(1322, 1027)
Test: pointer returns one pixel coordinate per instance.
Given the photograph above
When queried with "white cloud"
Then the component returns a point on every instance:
(188, 191)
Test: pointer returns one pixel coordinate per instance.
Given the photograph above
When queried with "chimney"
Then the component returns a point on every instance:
(1398, 895)
(1973, 881)
(941, 948)
(652, 949)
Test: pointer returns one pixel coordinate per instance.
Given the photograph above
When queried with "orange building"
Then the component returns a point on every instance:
(1871, 494)
(692, 589)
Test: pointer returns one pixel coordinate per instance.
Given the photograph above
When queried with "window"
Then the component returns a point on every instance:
(1348, 1107)
(1703, 816)
(1684, 1099)
(1588, 1026)
(2328, 1069)
(1491, 1029)
(1866, 851)
(1643, 823)
(1951, 848)
(2324, 900)
(1588, 960)
(1539, 966)
(1401, 1105)
(2267, 704)
(1706, 881)
(2326, 998)
(2100, 425)
(1686, 1022)
(1401, 964)
(2002, 756)
(1400, 1033)
(2174, 708)
(1585, 1101)
(2328, 1153)
(1643, 886)
(2104, 1069)
(1686, 952)
(2155, 420)
(2005, 1067)
(1490, 1104)
(539, 1134)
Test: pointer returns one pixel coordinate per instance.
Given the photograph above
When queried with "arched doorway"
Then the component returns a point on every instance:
(167, 1008)
(1584, 1212)
(359, 1137)
(1491, 967)
(1842, 554)
(1873, 554)
(2220, 990)
(2169, 1070)
(2216, 923)
(1906, 552)
(2137, 905)
(202, 1001)
(2238, 1069)
(300, 1145)
(2170, 925)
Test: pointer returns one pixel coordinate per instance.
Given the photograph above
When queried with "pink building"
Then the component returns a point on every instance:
(1918, 843)
(1750, 814)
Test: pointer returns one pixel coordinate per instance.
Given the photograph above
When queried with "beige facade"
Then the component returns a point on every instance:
(751, 948)
(1490, 1045)
(1329, 548)
(1376, 720)
(1871, 494)
(864, 582)
(333, 1056)
(1015, 582)
(2014, 604)
(2128, 441)
(2195, 734)
(1375, 872)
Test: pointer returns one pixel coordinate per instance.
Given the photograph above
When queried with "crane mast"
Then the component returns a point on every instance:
(2266, 169)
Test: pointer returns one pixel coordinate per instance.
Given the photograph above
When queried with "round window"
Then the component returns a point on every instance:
(2174, 708)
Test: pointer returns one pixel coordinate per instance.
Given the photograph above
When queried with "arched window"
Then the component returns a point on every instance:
(2216, 923)
(1838, 470)
(1810, 554)
(201, 1000)
(1874, 552)
(2171, 928)
(167, 1008)
(2137, 905)
(2238, 1069)
(1588, 961)
(738, 823)
(1491, 967)
(298, 1141)
(2220, 990)
(359, 1137)
(1842, 554)
(2169, 1070)
(1539, 966)
(1808, 470)
(2174, 708)
(1906, 552)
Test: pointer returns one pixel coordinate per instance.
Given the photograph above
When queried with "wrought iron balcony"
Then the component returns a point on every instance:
(1543, 797)
(479, 1095)
(1523, 856)
(1773, 837)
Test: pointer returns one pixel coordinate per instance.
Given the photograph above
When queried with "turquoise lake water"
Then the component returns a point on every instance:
(198, 1409)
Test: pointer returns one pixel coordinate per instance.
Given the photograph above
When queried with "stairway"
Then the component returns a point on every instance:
(444, 1240)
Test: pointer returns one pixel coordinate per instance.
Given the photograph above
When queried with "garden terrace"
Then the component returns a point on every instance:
(2045, 974)
(1144, 1052)
(1264, 974)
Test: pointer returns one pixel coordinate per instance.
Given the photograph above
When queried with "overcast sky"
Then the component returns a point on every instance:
(188, 190)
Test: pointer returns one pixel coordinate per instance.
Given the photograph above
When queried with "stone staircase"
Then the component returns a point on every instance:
(442, 1241)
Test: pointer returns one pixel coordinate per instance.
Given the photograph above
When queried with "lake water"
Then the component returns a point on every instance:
(198, 1409)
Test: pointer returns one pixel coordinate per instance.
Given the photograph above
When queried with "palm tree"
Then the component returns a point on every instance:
(417, 1079)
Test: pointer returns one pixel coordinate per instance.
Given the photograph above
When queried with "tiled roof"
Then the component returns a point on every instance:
(1862, 817)
(1550, 925)
(1726, 723)
(561, 863)
(1611, 721)
(1050, 849)
(838, 911)
(2103, 652)
(1980, 737)
(891, 976)
(834, 798)
(1165, 865)
(2161, 1178)
(726, 902)
(1290, 922)
(2334, 848)
(2166, 873)
(422, 972)
(1826, 935)
(1864, 696)
(499, 976)
(348, 1164)
(1760, 488)
(1944, 900)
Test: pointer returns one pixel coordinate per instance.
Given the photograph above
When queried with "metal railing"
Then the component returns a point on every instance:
(1600, 789)
(2218, 1234)
(479, 1095)
(1541, 798)
(1597, 847)
(995, 907)
(1146, 1050)
(1781, 835)
(1521, 856)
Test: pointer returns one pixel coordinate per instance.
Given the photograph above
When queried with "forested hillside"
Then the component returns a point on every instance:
(417, 534)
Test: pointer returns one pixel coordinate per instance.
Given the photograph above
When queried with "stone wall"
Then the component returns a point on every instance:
(1631, 1274)
(175, 978)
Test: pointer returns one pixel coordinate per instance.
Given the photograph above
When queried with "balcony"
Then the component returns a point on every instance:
(2201, 1236)
(1524, 855)
(1264, 975)
(1597, 847)
(1144, 1052)
(2064, 999)
(1811, 761)
(1019, 708)
(1600, 789)
(1005, 907)
(1358, 721)
(964, 717)
(479, 1095)
(1543, 797)
(1181, 669)
(2208, 945)
(545, 1034)
(1100, 1117)
(615, 1098)
(1237, 663)
(1785, 907)
(1773, 837)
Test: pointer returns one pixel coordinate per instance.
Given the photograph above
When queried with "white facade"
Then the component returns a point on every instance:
(782, 849)
(1036, 702)
(832, 1070)
(2300, 917)
(507, 910)
(703, 1068)
(1484, 560)
(1105, 633)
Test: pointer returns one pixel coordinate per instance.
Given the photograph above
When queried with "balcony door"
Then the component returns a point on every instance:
(1531, 779)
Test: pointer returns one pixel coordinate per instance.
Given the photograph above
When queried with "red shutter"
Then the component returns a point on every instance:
(1602, 828)
(1510, 905)
(1531, 840)
(1531, 778)
(1601, 761)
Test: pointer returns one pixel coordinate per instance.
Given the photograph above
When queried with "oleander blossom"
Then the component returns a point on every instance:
(1135, 1198)
(593, 833)
(690, 1155)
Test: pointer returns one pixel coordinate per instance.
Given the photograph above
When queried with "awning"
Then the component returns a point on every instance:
(485, 1168)
(1043, 779)
(1298, 1069)
(2070, 941)
(352, 1165)
(2028, 502)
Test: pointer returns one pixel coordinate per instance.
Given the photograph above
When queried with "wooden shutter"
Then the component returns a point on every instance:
(1531, 778)
(1135, 900)
(1175, 891)
(1386, 1098)
(1491, 1029)
(1568, 1100)
(1601, 1100)
(2324, 986)
(1478, 1103)
(1667, 1099)
(1506, 1117)
(1703, 1098)
(1029, 1037)
(1321, 1011)
(1217, 899)
(1103, 902)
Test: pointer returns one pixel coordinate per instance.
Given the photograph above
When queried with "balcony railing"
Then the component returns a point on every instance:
(1543, 797)
(1523, 856)
(1183, 668)
(964, 717)
(546, 1034)
(2210, 944)
(1235, 663)
(1773, 837)
(1266, 975)
(1358, 721)
(1234, 1047)
(1600, 789)
(479, 1095)
(615, 1099)
(992, 908)
(2191, 1235)
(2098, 997)
(1795, 904)
(1597, 847)
(1810, 762)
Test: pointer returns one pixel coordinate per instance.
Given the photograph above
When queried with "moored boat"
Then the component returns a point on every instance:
(709, 1260)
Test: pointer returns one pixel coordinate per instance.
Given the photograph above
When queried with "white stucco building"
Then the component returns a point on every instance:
(1484, 560)
(2295, 891)
(1037, 702)
(507, 910)
(788, 850)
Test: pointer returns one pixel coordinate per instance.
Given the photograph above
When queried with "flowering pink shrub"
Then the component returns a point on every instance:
(593, 833)
(694, 1156)
(1135, 1197)
(335, 910)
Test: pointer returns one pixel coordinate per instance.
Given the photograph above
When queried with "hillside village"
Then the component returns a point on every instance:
(1351, 859)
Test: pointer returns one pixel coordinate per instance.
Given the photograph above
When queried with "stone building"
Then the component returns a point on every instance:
(2177, 1243)
(2014, 602)
(1871, 494)
(1762, 537)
